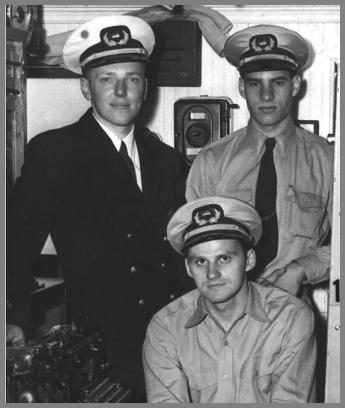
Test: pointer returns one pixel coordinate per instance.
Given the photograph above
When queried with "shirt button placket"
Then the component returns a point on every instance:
(225, 371)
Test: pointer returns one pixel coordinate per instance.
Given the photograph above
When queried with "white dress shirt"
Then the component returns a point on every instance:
(130, 144)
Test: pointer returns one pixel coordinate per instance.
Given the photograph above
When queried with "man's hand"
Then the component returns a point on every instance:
(288, 278)
(14, 335)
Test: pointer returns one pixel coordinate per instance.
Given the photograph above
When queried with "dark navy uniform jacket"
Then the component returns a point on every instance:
(110, 237)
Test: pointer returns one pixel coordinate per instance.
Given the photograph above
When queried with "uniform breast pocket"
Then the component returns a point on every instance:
(255, 381)
(306, 212)
(201, 379)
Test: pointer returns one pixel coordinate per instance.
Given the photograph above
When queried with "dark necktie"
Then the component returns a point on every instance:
(265, 204)
(127, 160)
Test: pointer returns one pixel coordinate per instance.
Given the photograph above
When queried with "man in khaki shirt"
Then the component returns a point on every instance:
(293, 250)
(230, 340)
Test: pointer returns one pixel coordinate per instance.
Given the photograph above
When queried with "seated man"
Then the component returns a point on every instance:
(229, 340)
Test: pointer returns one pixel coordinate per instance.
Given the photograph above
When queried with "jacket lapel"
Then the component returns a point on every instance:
(110, 167)
(124, 186)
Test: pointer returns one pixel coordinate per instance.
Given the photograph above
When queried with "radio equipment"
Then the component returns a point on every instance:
(65, 364)
(200, 121)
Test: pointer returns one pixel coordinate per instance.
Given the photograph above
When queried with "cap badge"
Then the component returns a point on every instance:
(115, 36)
(209, 214)
(263, 43)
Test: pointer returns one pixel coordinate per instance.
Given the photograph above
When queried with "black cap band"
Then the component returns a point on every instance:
(209, 223)
(267, 65)
(116, 45)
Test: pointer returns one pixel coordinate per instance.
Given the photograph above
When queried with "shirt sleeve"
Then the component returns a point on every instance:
(294, 377)
(164, 378)
(196, 186)
(317, 263)
(30, 215)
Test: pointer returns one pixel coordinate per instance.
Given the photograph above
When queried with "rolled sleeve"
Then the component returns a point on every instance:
(317, 263)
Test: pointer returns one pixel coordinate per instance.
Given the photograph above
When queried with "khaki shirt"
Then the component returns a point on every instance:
(304, 165)
(268, 355)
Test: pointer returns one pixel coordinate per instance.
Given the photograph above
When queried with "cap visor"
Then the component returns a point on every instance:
(116, 59)
(266, 65)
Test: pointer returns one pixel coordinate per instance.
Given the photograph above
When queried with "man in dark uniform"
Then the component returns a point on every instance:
(104, 190)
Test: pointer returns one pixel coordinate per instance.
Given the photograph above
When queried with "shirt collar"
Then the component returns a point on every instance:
(129, 140)
(198, 315)
(115, 138)
(253, 309)
(256, 138)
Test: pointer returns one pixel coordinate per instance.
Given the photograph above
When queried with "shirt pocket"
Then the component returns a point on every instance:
(305, 212)
(201, 379)
(255, 381)
(202, 383)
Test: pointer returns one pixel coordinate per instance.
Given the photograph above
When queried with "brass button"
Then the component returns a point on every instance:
(141, 302)
(133, 269)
